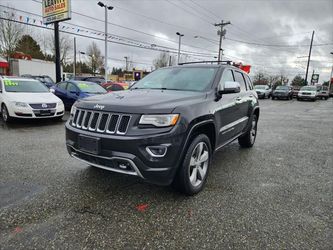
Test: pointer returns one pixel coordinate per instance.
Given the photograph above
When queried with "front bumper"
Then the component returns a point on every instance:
(306, 97)
(128, 154)
(29, 113)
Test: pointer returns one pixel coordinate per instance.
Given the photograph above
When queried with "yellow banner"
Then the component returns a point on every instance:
(56, 10)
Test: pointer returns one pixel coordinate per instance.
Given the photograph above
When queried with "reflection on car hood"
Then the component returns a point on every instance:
(141, 100)
(46, 97)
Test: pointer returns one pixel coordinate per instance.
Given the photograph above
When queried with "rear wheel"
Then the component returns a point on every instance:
(247, 140)
(5, 114)
(193, 172)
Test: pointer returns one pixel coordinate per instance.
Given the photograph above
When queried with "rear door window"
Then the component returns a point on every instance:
(240, 79)
(248, 82)
(62, 85)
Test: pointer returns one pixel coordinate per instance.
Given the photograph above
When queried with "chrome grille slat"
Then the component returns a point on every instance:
(101, 122)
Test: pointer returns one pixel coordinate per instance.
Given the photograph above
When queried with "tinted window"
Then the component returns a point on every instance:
(227, 76)
(62, 85)
(0, 85)
(71, 87)
(240, 79)
(179, 78)
(116, 87)
(248, 82)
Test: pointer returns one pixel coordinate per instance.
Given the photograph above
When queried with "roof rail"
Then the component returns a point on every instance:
(218, 62)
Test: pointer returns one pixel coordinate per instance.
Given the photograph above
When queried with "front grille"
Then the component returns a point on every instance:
(101, 122)
(43, 105)
(305, 93)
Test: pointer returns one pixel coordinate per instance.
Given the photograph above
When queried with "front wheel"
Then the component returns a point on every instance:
(192, 175)
(5, 114)
(247, 140)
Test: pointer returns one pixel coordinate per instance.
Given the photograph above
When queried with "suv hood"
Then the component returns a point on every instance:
(140, 101)
(46, 97)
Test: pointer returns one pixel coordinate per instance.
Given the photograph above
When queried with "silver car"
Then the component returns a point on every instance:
(263, 91)
(308, 93)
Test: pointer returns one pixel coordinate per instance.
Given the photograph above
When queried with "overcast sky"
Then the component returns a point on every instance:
(154, 23)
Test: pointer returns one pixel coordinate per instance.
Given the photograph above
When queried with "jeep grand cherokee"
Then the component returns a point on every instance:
(166, 128)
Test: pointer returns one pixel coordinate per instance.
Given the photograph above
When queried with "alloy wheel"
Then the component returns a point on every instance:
(253, 132)
(199, 164)
(4, 114)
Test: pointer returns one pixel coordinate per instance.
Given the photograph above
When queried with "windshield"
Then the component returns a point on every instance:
(260, 87)
(282, 88)
(309, 88)
(24, 85)
(188, 79)
(91, 88)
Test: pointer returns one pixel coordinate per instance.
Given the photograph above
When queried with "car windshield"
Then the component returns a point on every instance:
(260, 87)
(24, 85)
(90, 87)
(282, 88)
(309, 88)
(186, 79)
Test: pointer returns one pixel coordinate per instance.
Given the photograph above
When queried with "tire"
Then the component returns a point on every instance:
(192, 174)
(4, 114)
(291, 97)
(248, 139)
(273, 98)
(326, 98)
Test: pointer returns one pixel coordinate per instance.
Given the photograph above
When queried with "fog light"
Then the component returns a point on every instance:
(157, 151)
(124, 165)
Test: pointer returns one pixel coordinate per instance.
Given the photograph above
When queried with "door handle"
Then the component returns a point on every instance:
(238, 98)
(251, 96)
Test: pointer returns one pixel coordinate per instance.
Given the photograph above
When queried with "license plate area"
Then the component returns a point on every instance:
(89, 144)
(45, 112)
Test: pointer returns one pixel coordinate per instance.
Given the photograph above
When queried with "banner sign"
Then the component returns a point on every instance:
(56, 10)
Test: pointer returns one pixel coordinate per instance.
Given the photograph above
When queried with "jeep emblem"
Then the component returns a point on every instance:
(97, 106)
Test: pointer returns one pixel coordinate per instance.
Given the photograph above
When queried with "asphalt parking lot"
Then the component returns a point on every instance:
(277, 195)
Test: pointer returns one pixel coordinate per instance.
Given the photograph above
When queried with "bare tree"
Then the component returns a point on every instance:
(96, 59)
(10, 34)
(163, 60)
(65, 45)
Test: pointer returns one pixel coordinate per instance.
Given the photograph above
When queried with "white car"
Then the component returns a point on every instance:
(263, 91)
(308, 93)
(28, 98)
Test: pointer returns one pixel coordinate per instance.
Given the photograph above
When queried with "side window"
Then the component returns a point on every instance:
(62, 85)
(248, 82)
(71, 87)
(0, 85)
(116, 87)
(240, 79)
(226, 77)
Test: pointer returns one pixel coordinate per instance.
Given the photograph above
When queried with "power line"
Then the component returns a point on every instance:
(101, 39)
(204, 8)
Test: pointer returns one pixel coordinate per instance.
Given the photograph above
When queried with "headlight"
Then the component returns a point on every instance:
(21, 104)
(313, 93)
(73, 109)
(159, 120)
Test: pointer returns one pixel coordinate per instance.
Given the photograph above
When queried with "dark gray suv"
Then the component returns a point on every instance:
(166, 128)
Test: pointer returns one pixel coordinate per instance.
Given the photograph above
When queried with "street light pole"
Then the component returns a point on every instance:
(106, 8)
(180, 40)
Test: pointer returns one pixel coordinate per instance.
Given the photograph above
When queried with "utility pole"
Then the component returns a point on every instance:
(74, 64)
(180, 40)
(57, 52)
(106, 37)
(307, 67)
(221, 33)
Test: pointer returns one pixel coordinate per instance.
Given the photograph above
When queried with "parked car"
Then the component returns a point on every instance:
(308, 93)
(263, 91)
(46, 80)
(166, 128)
(322, 92)
(96, 79)
(114, 86)
(71, 91)
(27, 98)
(283, 92)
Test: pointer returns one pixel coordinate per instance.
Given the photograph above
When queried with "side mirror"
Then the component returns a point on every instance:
(52, 91)
(230, 87)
